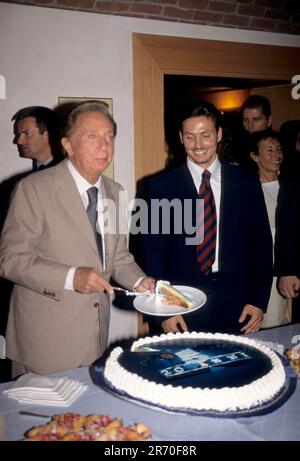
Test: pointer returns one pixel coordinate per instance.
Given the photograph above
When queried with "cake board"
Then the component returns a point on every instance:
(268, 407)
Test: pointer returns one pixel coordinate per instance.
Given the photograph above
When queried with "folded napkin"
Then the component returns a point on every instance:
(45, 390)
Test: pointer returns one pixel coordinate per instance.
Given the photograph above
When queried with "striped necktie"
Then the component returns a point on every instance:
(92, 211)
(206, 250)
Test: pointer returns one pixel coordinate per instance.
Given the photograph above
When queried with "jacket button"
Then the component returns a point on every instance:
(96, 304)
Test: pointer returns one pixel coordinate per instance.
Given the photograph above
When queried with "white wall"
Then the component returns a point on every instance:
(46, 53)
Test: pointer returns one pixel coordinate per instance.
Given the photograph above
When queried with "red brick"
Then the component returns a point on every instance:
(44, 2)
(270, 3)
(279, 16)
(146, 9)
(222, 7)
(208, 17)
(112, 7)
(233, 19)
(172, 2)
(194, 4)
(177, 13)
(76, 3)
(263, 24)
(276, 14)
(251, 10)
(161, 18)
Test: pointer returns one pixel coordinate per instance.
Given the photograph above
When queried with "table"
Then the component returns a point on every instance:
(281, 425)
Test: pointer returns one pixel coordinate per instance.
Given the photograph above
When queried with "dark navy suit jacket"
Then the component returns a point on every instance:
(287, 241)
(245, 247)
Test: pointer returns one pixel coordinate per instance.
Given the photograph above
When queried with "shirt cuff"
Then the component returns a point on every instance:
(138, 282)
(70, 279)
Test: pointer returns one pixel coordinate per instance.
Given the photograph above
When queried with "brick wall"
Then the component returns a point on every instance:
(279, 16)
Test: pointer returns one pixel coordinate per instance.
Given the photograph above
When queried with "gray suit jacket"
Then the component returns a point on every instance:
(46, 232)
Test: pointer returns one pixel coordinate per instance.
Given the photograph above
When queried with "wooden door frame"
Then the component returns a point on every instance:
(155, 55)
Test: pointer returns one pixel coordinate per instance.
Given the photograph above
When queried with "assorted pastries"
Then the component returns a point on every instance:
(293, 356)
(77, 427)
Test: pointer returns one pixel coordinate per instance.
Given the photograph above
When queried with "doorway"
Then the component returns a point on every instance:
(155, 56)
(182, 93)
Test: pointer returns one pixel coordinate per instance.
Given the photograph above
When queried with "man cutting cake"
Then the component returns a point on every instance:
(232, 262)
(60, 248)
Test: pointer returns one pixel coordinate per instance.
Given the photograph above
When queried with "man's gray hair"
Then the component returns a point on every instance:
(86, 106)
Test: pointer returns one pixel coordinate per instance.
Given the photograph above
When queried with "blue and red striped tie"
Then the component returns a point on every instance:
(206, 250)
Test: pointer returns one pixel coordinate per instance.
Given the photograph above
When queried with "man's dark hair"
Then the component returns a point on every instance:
(46, 120)
(255, 101)
(204, 109)
(255, 138)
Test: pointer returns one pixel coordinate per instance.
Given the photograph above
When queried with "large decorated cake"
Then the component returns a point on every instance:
(198, 372)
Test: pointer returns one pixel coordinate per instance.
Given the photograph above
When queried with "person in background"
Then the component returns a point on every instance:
(290, 141)
(287, 239)
(266, 152)
(237, 276)
(255, 116)
(60, 250)
(37, 136)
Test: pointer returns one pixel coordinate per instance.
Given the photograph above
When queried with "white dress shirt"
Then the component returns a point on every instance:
(83, 185)
(270, 190)
(215, 182)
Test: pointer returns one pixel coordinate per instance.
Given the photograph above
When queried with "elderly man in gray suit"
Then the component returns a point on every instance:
(60, 262)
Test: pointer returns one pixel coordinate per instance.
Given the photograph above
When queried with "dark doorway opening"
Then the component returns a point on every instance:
(182, 92)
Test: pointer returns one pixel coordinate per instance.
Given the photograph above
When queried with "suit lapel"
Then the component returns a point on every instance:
(110, 203)
(228, 211)
(185, 184)
(68, 196)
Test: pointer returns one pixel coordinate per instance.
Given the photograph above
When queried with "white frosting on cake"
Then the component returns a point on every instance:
(245, 397)
(159, 298)
(158, 285)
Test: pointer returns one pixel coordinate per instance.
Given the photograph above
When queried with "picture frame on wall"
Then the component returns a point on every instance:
(66, 100)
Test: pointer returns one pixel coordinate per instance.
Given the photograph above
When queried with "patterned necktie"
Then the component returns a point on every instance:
(93, 216)
(206, 250)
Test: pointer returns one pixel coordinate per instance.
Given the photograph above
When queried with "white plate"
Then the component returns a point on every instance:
(152, 304)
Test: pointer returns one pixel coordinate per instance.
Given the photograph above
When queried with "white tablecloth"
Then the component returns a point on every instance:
(282, 424)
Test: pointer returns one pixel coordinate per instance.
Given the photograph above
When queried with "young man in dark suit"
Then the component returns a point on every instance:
(238, 277)
(287, 239)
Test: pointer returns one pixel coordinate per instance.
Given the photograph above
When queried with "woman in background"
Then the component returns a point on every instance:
(266, 152)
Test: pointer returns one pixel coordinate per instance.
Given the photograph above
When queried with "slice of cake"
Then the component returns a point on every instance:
(172, 295)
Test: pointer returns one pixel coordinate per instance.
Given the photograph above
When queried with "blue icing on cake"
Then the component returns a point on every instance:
(197, 363)
(197, 371)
